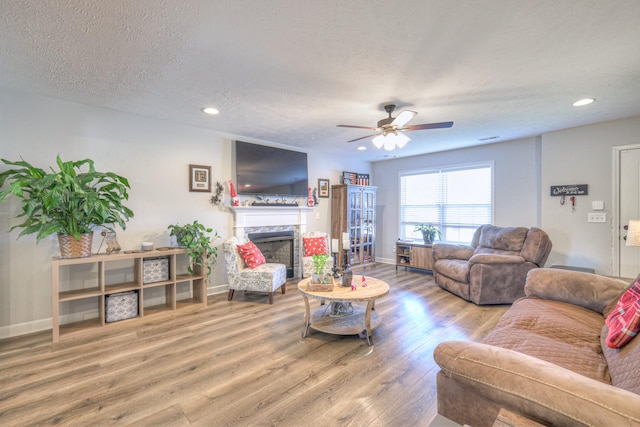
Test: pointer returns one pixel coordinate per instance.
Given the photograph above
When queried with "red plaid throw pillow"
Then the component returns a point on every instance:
(251, 255)
(314, 246)
(624, 320)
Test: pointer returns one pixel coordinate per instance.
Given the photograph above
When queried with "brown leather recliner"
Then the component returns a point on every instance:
(493, 269)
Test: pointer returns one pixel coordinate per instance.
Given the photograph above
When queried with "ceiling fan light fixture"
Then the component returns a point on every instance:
(390, 140)
(401, 140)
(389, 145)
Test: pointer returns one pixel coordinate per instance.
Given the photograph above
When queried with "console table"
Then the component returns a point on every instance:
(414, 255)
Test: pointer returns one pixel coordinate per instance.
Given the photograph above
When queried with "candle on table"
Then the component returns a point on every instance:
(346, 242)
(335, 247)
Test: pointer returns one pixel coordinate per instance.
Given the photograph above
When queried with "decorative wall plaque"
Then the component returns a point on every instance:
(570, 190)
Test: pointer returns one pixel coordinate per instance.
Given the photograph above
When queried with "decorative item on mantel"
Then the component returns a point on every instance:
(216, 199)
(310, 201)
(262, 201)
(234, 196)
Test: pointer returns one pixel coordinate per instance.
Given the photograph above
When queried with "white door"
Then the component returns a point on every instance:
(629, 199)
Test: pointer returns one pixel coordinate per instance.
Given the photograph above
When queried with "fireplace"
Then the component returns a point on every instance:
(250, 220)
(276, 247)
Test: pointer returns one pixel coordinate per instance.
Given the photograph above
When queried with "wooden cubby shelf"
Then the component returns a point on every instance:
(80, 287)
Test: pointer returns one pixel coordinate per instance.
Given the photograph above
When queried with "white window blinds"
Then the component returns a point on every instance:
(457, 200)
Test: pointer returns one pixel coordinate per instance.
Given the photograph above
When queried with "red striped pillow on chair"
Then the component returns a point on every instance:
(624, 320)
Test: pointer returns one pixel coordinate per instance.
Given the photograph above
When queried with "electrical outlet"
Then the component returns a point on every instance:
(596, 217)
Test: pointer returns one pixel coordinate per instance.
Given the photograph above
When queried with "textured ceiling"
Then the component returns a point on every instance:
(289, 71)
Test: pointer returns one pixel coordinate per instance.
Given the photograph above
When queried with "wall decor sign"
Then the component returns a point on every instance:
(200, 178)
(570, 190)
(323, 188)
(349, 177)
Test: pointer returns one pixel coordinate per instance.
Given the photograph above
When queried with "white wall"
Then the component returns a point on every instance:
(524, 171)
(154, 155)
(583, 155)
(516, 185)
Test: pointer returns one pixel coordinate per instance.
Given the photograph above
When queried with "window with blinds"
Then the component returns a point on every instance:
(456, 199)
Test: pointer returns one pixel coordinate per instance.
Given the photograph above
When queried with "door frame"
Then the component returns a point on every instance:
(615, 209)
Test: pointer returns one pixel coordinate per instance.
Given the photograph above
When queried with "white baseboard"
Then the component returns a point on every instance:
(218, 289)
(25, 328)
(46, 324)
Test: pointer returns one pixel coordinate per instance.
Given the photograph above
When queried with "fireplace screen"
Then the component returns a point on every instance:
(276, 247)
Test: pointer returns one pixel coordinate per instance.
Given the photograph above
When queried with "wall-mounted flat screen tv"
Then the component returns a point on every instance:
(264, 170)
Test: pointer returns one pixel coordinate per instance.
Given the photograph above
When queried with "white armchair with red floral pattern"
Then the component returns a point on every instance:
(315, 242)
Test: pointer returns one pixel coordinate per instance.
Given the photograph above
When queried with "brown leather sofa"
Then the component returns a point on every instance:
(493, 268)
(546, 359)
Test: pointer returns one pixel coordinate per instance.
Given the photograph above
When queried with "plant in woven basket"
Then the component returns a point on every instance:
(319, 265)
(197, 241)
(70, 201)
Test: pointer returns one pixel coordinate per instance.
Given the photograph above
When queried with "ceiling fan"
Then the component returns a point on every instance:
(389, 132)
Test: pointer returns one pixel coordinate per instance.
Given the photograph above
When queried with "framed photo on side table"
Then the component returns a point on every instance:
(323, 188)
(200, 178)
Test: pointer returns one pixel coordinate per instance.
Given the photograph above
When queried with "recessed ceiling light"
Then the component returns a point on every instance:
(362, 148)
(210, 110)
(585, 101)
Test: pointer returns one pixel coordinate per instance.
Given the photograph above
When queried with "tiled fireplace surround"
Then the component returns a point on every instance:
(270, 219)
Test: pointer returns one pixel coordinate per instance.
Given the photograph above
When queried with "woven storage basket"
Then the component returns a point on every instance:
(72, 248)
(323, 287)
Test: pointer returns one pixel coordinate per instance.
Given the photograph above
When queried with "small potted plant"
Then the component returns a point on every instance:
(320, 279)
(70, 201)
(195, 238)
(320, 263)
(429, 232)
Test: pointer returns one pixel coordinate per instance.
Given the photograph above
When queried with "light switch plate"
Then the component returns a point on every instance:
(597, 217)
(597, 205)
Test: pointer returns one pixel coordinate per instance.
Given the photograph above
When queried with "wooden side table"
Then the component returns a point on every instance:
(361, 321)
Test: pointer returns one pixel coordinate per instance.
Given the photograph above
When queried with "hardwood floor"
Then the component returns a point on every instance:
(245, 363)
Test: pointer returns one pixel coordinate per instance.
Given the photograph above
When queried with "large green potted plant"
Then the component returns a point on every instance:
(70, 201)
(429, 232)
(195, 238)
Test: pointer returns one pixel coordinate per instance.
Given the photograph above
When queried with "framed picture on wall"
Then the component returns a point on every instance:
(323, 188)
(349, 177)
(200, 178)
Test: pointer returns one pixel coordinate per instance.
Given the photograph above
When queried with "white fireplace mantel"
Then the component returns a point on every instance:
(268, 216)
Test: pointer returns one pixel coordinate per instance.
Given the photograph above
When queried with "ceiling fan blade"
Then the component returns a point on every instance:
(363, 137)
(429, 126)
(357, 127)
(403, 118)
